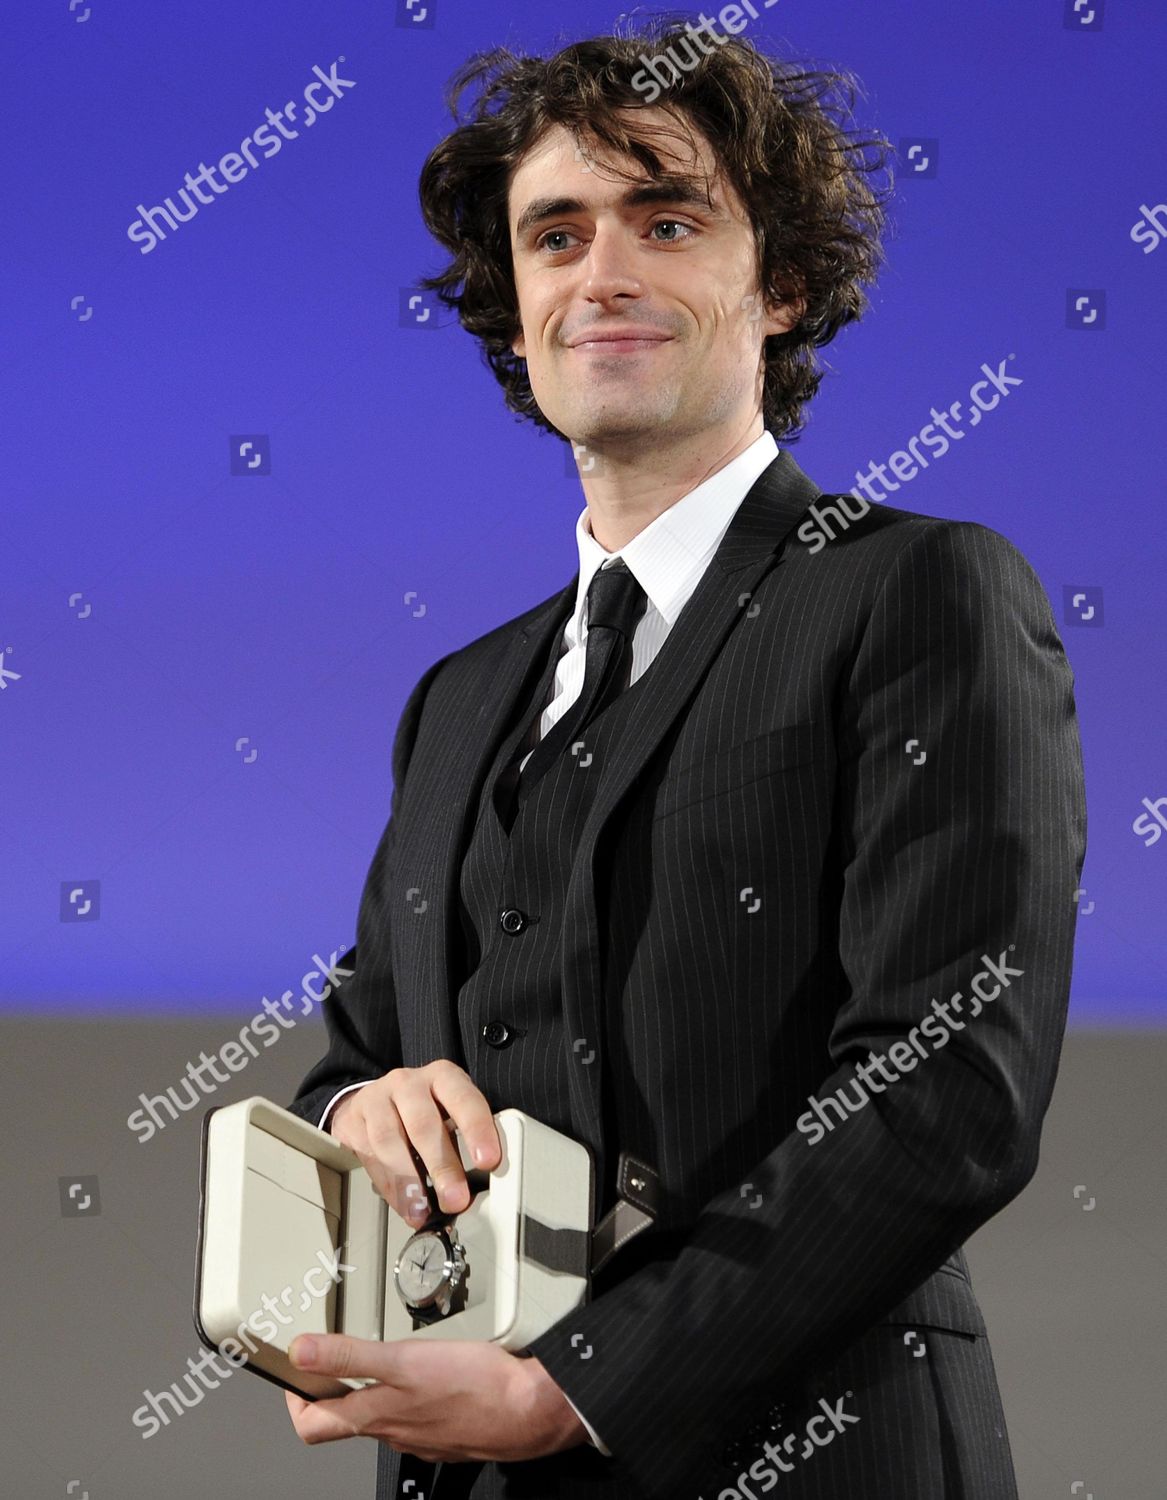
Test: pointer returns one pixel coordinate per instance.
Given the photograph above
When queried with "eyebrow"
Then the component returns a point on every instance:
(669, 190)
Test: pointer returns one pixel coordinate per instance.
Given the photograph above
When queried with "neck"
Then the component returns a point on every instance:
(627, 486)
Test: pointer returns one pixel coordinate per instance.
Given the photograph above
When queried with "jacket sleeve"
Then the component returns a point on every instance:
(968, 855)
(360, 1013)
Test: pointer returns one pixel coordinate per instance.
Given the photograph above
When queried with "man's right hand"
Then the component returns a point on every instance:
(418, 1107)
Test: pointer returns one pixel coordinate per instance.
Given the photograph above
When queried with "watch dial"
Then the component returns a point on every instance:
(422, 1268)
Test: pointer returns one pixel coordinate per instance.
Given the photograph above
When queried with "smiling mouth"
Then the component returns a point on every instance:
(619, 346)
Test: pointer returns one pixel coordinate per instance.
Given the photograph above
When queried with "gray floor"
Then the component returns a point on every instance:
(97, 1303)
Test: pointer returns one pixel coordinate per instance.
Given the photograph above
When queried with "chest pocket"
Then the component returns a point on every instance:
(737, 765)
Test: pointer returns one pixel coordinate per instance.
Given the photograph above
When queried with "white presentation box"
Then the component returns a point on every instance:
(294, 1238)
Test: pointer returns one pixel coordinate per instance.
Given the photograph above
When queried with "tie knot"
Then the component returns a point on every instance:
(615, 599)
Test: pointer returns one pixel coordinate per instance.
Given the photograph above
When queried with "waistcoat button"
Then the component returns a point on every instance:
(512, 920)
(497, 1034)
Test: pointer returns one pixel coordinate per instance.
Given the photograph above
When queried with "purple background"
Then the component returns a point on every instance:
(273, 607)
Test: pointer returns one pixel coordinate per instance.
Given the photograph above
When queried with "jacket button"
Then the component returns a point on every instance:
(512, 920)
(497, 1034)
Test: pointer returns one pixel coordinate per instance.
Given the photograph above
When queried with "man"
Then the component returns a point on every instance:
(749, 852)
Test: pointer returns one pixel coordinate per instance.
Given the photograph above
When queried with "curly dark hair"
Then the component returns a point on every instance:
(780, 133)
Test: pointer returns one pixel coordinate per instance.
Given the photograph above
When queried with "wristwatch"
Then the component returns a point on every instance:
(431, 1273)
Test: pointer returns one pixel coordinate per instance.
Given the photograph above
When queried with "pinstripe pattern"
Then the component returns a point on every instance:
(761, 886)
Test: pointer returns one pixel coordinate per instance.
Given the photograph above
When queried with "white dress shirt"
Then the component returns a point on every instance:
(667, 559)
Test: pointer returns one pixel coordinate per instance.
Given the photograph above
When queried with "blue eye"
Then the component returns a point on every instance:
(543, 243)
(675, 222)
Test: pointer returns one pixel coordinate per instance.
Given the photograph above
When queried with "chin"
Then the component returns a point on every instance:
(597, 428)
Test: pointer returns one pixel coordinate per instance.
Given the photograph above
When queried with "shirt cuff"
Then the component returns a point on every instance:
(335, 1100)
(592, 1433)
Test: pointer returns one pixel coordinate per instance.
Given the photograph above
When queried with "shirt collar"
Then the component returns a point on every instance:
(669, 556)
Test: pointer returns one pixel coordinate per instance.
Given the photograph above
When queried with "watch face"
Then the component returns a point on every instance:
(423, 1268)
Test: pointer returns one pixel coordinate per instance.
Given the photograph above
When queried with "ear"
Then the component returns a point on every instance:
(782, 316)
(519, 346)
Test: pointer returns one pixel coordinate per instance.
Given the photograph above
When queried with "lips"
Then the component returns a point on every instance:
(623, 338)
(629, 345)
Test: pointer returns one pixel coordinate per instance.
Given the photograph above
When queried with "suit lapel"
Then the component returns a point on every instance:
(747, 551)
(524, 657)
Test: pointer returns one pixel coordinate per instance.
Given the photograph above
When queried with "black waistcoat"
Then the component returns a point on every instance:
(507, 973)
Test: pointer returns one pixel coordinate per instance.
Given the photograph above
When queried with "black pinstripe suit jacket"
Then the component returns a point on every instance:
(852, 776)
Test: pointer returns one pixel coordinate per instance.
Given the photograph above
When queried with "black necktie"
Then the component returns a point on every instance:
(615, 603)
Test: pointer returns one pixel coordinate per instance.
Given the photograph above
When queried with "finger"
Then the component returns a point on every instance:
(345, 1357)
(313, 1425)
(377, 1136)
(428, 1133)
(470, 1111)
(328, 1426)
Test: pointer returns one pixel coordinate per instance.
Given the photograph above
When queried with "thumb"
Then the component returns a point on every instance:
(341, 1355)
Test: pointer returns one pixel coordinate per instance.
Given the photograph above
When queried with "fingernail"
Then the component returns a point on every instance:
(303, 1351)
(481, 1154)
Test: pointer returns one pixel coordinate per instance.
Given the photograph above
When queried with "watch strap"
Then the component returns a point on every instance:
(578, 1253)
(637, 1205)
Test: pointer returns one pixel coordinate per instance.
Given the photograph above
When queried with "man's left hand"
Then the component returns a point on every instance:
(453, 1400)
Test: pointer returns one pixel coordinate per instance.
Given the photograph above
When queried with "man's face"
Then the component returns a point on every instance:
(677, 277)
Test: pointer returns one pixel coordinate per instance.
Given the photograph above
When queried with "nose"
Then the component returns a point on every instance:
(610, 268)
